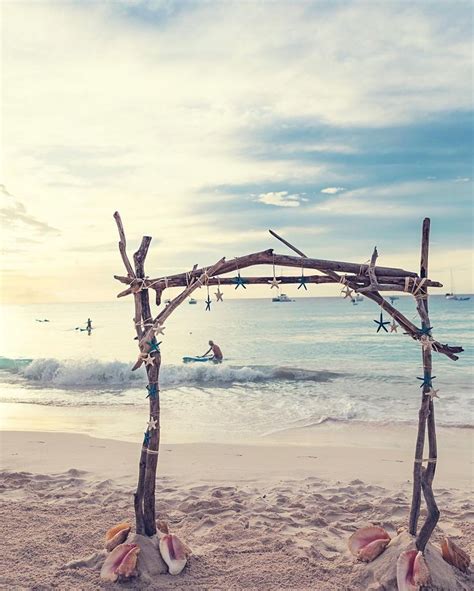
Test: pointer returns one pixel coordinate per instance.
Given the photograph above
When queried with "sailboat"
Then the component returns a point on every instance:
(452, 294)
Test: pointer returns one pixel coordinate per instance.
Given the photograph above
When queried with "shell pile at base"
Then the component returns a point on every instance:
(121, 561)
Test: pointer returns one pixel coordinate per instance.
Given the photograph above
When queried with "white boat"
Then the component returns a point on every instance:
(192, 301)
(282, 298)
(452, 294)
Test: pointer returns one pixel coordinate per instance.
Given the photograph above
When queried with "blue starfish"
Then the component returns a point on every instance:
(381, 324)
(154, 346)
(152, 390)
(425, 330)
(302, 282)
(426, 381)
(239, 281)
(146, 439)
(208, 304)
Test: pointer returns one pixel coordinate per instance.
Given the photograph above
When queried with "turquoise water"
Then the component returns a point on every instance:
(286, 365)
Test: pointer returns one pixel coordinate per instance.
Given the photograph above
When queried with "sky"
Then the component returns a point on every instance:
(340, 125)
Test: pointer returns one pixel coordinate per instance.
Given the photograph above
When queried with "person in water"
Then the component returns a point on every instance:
(217, 356)
(89, 324)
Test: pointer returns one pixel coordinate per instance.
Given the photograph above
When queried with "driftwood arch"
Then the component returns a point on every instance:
(367, 279)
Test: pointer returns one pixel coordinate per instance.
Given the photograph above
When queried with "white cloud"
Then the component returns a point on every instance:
(280, 199)
(459, 179)
(333, 190)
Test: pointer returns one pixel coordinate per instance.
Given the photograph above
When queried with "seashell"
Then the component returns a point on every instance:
(128, 565)
(109, 571)
(173, 552)
(368, 542)
(372, 550)
(412, 571)
(116, 535)
(455, 555)
(421, 573)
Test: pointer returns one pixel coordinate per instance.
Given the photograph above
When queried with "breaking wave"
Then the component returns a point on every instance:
(114, 375)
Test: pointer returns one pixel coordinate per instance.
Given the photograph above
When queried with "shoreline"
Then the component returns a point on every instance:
(382, 456)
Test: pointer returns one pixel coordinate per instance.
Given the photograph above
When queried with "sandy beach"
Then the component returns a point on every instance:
(269, 516)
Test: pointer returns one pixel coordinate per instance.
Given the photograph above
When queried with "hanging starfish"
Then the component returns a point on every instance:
(159, 329)
(208, 303)
(426, 381)
(274, 282)
(152, 390)
(152, 424)
(394, 326)
(146, 439)
(426, 342)
(302, 282)
(348, 291)
(381, 323)
(154, 346)
(432, 393)
(239, 281)
(147, 359)
(425, 330)
(218, 295)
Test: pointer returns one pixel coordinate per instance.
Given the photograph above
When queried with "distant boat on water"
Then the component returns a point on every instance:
(192, 301)
(359, 298)
(452, 294)
(282, 297)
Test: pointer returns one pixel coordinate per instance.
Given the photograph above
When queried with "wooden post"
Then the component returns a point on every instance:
(423, 477)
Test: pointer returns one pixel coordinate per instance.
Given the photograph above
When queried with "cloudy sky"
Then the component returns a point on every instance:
(338, 124)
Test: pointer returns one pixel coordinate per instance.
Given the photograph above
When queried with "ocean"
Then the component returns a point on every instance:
(287, 366)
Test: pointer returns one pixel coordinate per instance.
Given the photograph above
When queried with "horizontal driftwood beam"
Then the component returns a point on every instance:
(268, 257)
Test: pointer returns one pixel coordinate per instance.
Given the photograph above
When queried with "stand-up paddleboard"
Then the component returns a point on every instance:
(195, 359)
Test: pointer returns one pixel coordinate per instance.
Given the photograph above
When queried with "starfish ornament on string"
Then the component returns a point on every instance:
(152, 424)
(394, 326)
(146, 438)
(427, 381)
(239, 281)
(381, 323)
(152, 390)
(218, 295)
(274, 282)
(147, 359)
(348, 292)
(208, 303)
(154, 346)
(426, 342)
(425, 330)
(159, 329)
(432, 393)
(302, 282)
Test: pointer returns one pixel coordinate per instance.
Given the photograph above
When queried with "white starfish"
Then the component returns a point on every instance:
(152, 424)
(432, 393)
(147, 359)
(218, 295)
(426, 342)
(348, 291)
(274, 283)
(159, 329)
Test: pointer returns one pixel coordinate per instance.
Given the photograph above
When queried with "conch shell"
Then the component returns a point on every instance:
(368, 543)
(116, 535)
(173, 551)
(455, 555)
(412, 571)
(121, 561)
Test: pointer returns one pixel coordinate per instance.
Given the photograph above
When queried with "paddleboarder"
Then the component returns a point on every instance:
(217, 356)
